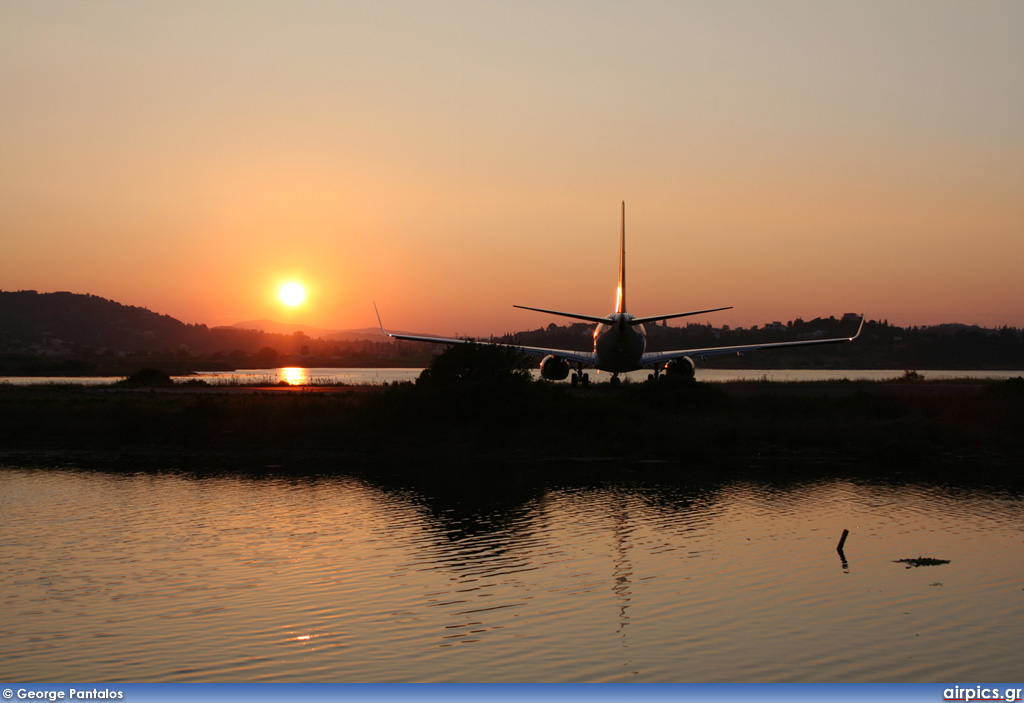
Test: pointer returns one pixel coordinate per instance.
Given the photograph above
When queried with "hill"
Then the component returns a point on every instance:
(63, 322)
(72, 334)
(311, 332)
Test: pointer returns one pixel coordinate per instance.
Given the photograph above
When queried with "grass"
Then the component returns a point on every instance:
(526, 422)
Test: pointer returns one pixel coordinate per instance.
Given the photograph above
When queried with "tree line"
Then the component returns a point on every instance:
(72, 334)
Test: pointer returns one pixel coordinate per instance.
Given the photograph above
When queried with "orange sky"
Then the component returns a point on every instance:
(451, 159)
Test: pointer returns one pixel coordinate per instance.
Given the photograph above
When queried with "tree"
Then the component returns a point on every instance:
(476, 366)
(148, 378)
(266, 357)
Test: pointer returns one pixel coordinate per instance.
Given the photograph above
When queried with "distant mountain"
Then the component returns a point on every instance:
(271, 327)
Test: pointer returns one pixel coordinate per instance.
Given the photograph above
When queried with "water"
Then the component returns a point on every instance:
(331, 376)
(171, 577)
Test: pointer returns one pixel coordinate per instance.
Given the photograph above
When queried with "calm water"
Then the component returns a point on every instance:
(303, 376)
(167, 577)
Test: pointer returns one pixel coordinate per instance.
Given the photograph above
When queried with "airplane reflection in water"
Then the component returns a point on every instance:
(620, 340)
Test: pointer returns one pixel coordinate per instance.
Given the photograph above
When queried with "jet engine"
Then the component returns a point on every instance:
(681, 368)
(554, 368)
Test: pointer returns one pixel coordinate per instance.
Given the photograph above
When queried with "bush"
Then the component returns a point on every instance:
(476, 366)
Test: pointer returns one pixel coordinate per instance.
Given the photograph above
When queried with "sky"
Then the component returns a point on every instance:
(451, 159)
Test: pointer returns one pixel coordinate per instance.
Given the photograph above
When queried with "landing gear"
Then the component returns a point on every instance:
(580, 378)
(615, 379)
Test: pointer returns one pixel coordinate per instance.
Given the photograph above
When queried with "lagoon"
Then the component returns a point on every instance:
(573, 573)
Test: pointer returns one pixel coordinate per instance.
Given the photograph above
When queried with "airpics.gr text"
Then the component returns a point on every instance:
(981, 693)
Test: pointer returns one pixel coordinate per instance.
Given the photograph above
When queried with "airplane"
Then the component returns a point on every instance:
(620, 341)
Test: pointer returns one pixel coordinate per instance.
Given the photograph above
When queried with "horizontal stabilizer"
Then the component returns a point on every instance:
(655, 318)
(582, 358)
(577, 316)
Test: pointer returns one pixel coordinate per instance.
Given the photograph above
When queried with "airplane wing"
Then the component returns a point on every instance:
(652, 359)
(585, 358)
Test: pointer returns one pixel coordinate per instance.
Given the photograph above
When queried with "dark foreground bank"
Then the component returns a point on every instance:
(416, 425)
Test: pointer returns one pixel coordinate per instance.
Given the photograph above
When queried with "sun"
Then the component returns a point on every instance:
(292, 294)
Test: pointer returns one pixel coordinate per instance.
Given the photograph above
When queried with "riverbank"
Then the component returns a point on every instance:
(417, 427)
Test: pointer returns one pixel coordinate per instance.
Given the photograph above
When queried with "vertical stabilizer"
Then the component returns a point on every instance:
(620, 297)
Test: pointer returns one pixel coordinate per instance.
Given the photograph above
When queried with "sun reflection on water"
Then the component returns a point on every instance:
(293, 376)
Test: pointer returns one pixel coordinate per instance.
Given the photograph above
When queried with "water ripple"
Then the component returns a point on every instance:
(168, 577)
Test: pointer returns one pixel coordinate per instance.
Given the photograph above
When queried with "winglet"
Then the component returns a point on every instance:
(863, 317)
(379, 320)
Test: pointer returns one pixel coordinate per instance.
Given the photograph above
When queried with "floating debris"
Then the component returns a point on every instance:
(921, 561)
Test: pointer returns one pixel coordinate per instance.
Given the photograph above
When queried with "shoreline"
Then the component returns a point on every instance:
(1000, 371)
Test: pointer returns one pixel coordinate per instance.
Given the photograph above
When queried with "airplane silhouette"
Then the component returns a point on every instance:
(620, 340)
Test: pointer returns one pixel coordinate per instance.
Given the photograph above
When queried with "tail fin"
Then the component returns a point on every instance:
(620, 298)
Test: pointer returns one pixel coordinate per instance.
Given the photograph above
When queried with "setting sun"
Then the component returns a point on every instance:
(292, 294)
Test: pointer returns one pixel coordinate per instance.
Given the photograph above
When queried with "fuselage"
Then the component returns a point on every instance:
(618, 344)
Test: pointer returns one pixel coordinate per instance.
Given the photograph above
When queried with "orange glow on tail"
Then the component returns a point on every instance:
(620, 295)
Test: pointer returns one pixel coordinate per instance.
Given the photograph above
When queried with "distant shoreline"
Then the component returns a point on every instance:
(318, 379)
(176, 367)
(67, 334)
